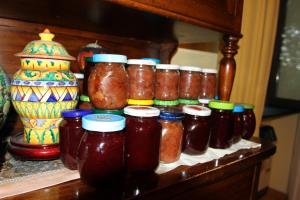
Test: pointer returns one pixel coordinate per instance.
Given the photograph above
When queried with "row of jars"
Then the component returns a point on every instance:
(107, 144)
(110, 86)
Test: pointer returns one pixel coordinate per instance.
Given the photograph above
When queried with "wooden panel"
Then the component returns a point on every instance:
(220, 15)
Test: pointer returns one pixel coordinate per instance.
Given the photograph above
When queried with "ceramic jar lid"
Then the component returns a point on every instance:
(45, 48)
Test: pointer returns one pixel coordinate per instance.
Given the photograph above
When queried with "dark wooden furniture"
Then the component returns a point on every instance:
(232, 177)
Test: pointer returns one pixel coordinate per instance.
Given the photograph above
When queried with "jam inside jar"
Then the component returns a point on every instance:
(141, 79)
(208, 83)
(172, 132)
(238, 112)
(249, 121)
(101, 150)
(143, 135)
(167, 82)
(71, 132)
(196, 129)
(108, 82)
(222, 124)
(190, 82)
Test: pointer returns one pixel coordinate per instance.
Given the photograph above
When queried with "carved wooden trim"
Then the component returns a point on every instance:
(228, 66)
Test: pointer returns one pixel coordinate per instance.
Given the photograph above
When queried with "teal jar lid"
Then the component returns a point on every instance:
(238, 108)
(221, 105)
(103, 122)
(114, 112)
(111, 58)
(188, 101)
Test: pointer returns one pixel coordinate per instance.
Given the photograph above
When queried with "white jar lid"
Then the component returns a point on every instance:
(191, 68)
(141, 111)
(209, 70)
(103, 122)
(140, 62)
(79, 75)
(167, 66)
(196, 110)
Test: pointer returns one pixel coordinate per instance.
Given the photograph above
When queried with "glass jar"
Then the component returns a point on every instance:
(190, 82)
(238, 112)
(71, 131)
(108, 82)
(249, 121)
(204, 102)
(172, 132)
(208, 81)
(222, 124)
(196, 129)
(167, 82)
(89, 66)
(143, 135)
(101, 151)
(141, 79)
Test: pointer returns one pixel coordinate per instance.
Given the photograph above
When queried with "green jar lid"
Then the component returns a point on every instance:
(222, 105)
(248, 106)
(115, 112)
(89, 59)
(166, 103)
(84, 98)
(189, 101)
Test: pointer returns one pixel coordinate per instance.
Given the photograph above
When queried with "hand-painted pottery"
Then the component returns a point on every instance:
(42, 88)
(4, 97)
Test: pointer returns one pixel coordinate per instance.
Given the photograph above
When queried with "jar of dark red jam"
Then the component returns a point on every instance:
(238, 112)
(172, 132)
(190, 82)
(249, 121)
(208, 83)
(222, 124)
(167, 82)
(141, 76)
(101, 151)
(196, 129)
(71, 131)
(143, 135)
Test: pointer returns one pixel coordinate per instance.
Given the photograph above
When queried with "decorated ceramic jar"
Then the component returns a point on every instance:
(4, 97)
(42, 88)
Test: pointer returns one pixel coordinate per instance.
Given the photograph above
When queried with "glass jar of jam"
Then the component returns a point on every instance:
(167, 82)
(222, 124)
(190, 82)
(71, 131)
(101, 150)
(238, 112)
(143, 135)
(141, 79)
(204, 102)
(249, 121)
(108, 82)
(208, 82)
(172, 132)
(196, 129)
(89, 66)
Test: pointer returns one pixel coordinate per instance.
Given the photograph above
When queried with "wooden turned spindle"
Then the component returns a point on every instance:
(227, 66)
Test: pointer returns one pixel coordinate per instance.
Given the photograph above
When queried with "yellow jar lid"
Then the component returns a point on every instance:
(140, 102)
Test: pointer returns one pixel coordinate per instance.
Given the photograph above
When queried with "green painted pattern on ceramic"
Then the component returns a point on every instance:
(38, 75)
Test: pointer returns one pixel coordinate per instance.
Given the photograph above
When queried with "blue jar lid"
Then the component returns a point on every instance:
(75, 113)
(103, 122)
(238, 108)
(171, 115)
(156, 60)
(112, 58)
